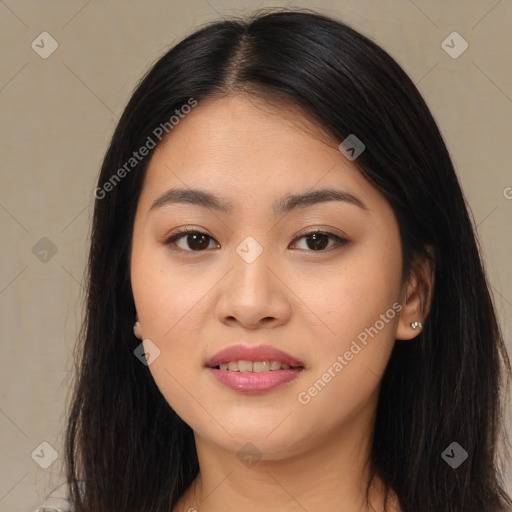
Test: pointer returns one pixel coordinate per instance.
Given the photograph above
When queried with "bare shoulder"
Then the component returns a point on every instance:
(56, 501)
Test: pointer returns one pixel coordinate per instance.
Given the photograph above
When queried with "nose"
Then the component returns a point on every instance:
(254, 294)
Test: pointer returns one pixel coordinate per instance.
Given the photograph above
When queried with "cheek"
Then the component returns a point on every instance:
(168, 301)
(166, 296)
(355, 323)
(352, 296)
(348, 364)
(172, 301)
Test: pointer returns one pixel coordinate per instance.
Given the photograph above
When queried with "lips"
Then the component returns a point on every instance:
(259, 353)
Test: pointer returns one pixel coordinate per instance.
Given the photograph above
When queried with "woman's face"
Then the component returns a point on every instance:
(253, 276)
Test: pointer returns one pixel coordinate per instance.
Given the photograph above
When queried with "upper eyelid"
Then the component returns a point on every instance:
(301, 233)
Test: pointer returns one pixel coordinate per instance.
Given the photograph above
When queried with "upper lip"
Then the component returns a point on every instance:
(246, 353)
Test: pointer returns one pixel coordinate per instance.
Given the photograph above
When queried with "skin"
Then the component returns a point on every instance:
(310, 304)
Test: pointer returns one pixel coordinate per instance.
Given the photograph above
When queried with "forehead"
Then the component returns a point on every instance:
(242, 147)
(238, 125)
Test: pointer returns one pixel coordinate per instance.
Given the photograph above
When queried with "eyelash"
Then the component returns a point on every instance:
(182, 233)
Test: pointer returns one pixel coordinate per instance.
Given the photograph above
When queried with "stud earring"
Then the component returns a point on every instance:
(137, 330)
(414, 325)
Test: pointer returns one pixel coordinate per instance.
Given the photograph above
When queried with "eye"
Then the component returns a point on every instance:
(195, 240)
(319, 239)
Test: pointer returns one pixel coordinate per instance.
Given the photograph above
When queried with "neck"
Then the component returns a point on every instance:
(334, 470)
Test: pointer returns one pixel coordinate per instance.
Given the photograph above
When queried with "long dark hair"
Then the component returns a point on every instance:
(126, 449)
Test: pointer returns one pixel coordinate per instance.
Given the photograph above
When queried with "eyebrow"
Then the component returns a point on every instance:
(281, 206)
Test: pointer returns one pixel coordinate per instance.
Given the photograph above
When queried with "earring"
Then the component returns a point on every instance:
(137, 330)
(414, 325)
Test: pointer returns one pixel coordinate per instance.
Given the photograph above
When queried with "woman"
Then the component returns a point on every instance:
(287, 309)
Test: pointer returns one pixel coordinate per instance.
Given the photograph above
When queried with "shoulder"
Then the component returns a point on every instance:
(56, 501)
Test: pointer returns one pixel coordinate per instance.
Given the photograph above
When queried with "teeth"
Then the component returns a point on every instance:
(256, 366)
(275, 365)
(245, 366)
(260, 366)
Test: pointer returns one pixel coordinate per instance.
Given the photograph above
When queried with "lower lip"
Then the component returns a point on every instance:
(252, 382)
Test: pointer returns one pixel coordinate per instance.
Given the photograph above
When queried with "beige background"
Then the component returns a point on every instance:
(59, 113)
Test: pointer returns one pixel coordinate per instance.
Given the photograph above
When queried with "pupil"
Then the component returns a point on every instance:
(316, 236)
(201, 245)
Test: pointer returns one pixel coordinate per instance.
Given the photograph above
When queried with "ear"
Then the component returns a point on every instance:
(137, 328)
(416, 295)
